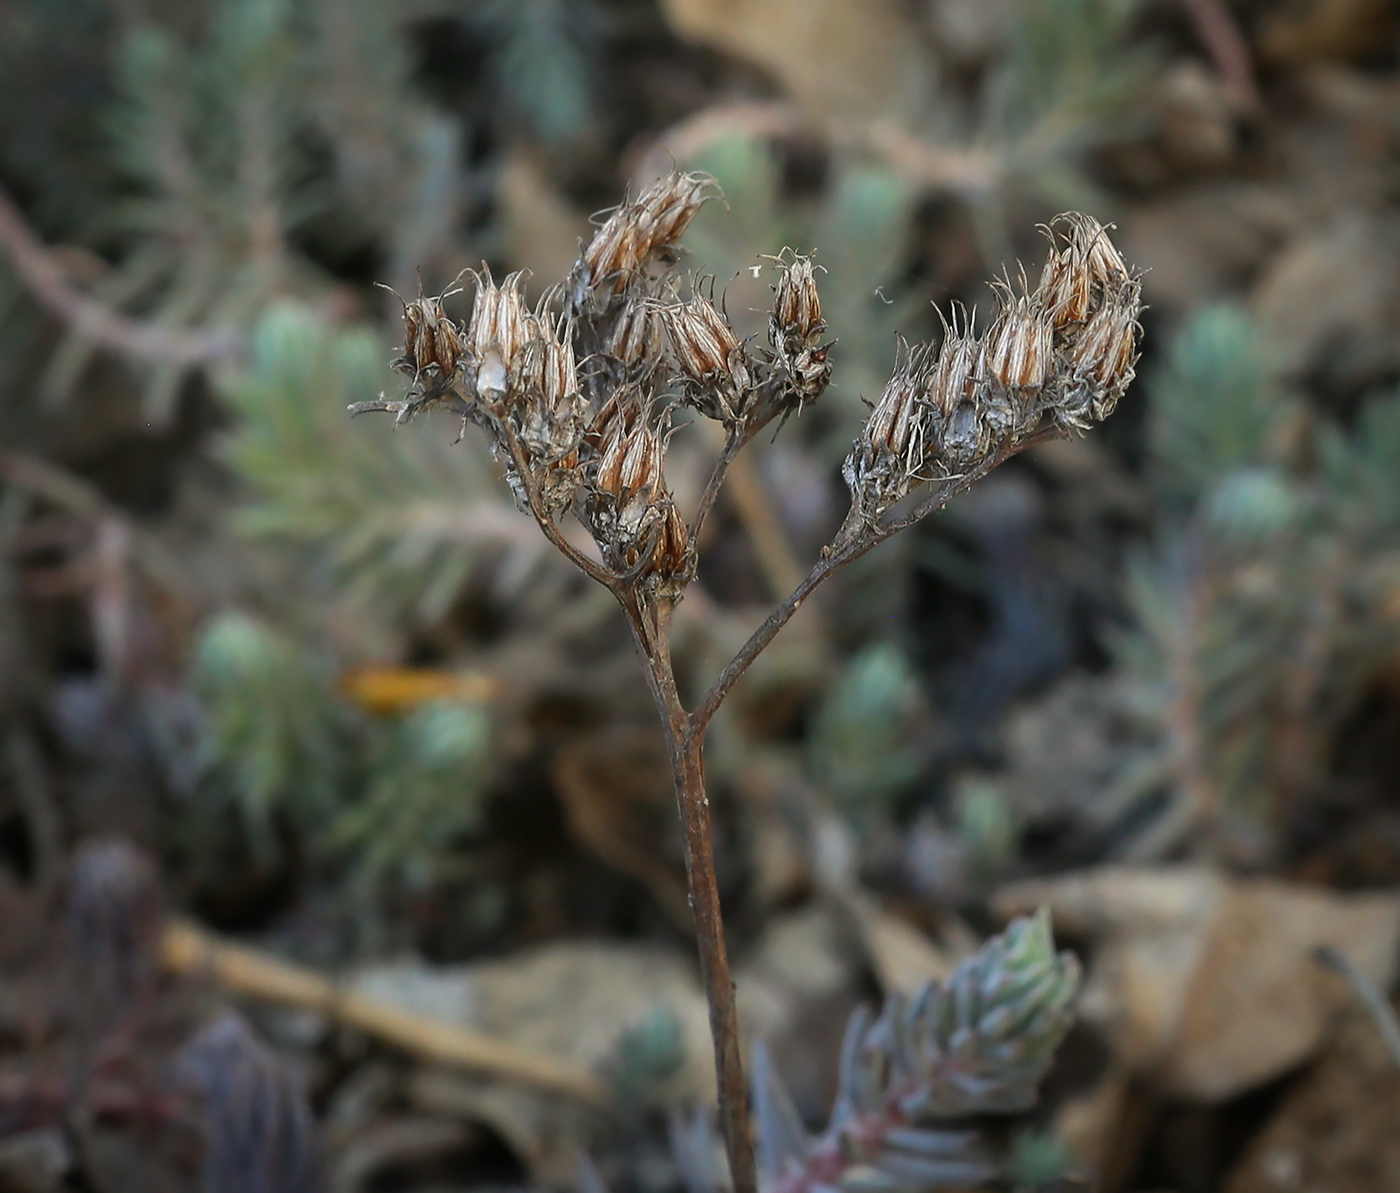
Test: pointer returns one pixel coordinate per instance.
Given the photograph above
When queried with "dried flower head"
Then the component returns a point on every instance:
(549, 412)
(432, 343)
(499, 332)
(627, 506)
(638, 337)
(1101, 360)
(1083, 263)
(888, 460)
(958, 392)
(795, 330)
(710, 356)
(639, 231)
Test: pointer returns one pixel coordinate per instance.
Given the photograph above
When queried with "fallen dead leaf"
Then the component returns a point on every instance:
(1336, 1129)
(570, 1000)
(542, 228)
(616, 791)
(838, 56)
(1207, 984)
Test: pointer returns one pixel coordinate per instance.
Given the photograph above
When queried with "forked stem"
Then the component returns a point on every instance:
(686, 746)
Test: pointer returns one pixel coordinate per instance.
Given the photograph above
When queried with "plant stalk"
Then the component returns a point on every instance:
(685, 739)
(688, 766)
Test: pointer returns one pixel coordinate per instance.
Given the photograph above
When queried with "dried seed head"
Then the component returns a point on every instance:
(637, 337)
(887, 461)
(1020, 347)
(638, 231)
(432, 343)
(1101, 361)
(500, 330)
(795, 329)
(1082, 263)
(673, 561)
(894, 421)
(958, 393)
(797, 307)
(710, 355)
(551, 410)
(627, 507)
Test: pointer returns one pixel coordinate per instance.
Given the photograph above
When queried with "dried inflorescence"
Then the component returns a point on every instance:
(579, 399)
(796, 328)
(1060, 355)
(637, 233)
(577, 403)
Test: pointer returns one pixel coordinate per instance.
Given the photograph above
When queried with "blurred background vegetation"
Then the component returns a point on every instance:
(360, 713)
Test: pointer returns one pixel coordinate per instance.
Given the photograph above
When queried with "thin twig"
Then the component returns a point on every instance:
(733, 444)
(186, 949)
(31, 780)
(852, 541)
(80, 499)
(136, 338)
(765, 530)
(1369, 994)
(552, 532)
(1228, 50)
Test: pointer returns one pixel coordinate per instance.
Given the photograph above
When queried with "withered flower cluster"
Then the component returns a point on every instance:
(1060, 355)
(578, 396)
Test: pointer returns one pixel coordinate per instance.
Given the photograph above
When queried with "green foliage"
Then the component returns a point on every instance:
(1261, 610)
(274, 740)
(646, 1056)
(980, 1043)
(542, 62)
(380, 797)
(863, 742)
(1214, 405)
(985, 824)
(1067, 66)
(401, 522)
(423, 788)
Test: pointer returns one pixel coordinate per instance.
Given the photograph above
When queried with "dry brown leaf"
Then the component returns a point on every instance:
(1336, 1129)
(571, 1001)
(616, 791)
(837, 56)
(1319, 30)
(1330, 300)
(542, 228)
(1206, 983)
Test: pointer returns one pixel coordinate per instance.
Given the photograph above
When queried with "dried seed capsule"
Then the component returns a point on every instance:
(1082, 263)
(958, 392)
(795, 329)
(432, 344)
(1100, 363)
(637, 337)
(1020, 348)
(887, 461)
(797, 307)
(551, 409)
(500, 330)
(638, 231)
(711, 356)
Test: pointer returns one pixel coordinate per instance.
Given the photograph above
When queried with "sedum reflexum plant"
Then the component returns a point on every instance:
(578, 399)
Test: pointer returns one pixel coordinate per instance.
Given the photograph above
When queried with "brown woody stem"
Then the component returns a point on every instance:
(686, 745)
